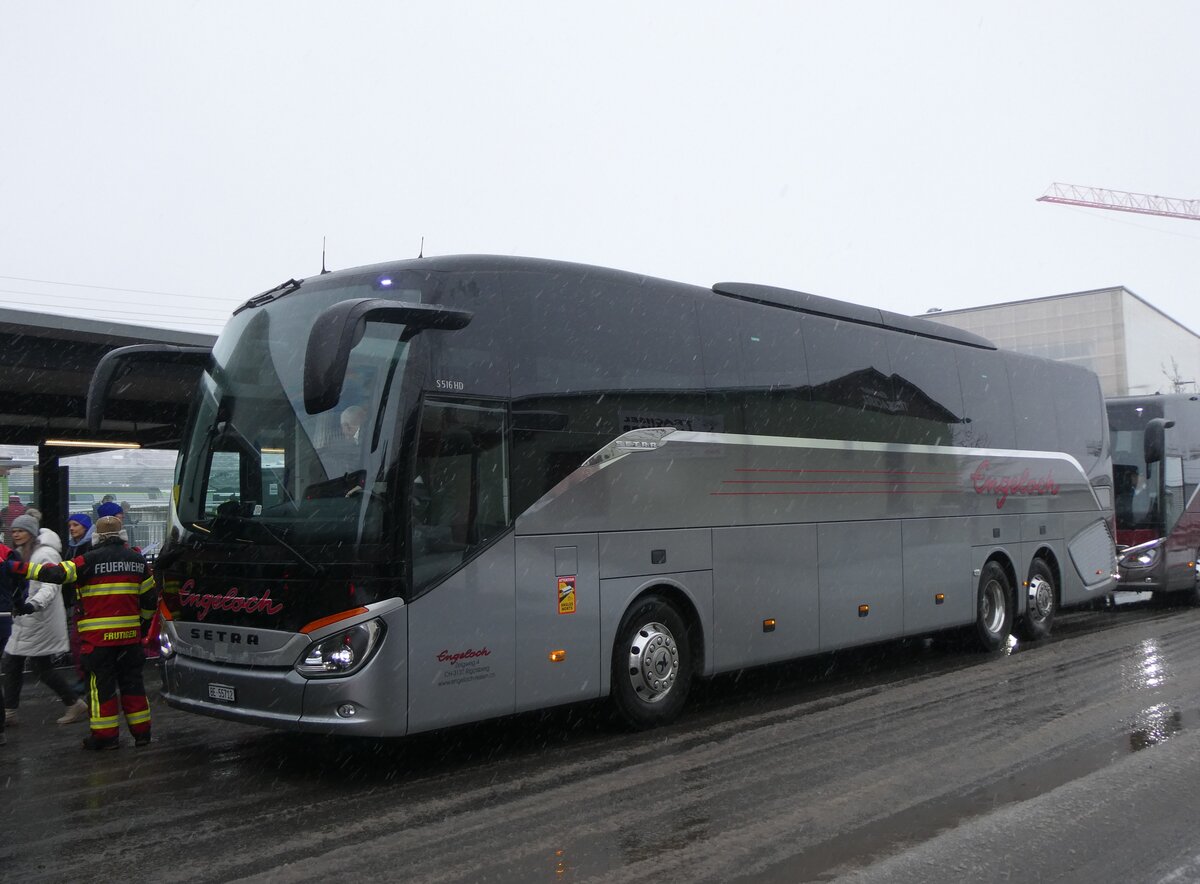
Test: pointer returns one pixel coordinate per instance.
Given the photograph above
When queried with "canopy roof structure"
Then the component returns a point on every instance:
(46, 365)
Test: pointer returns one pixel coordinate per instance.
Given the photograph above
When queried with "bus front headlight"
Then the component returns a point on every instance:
(1140, 557)
(343, 652)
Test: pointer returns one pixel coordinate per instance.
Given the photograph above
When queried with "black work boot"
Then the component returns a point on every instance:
(95, 743)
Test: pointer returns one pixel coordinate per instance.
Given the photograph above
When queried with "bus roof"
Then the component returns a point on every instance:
(763, 294)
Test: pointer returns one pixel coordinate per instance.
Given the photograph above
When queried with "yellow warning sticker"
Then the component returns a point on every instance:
(566, 595)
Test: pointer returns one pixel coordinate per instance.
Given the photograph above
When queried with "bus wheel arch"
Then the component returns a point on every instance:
(995, 603)
(656, 655)
(1043, 588)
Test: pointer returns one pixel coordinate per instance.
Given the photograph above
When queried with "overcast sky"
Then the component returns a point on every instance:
(186, 156)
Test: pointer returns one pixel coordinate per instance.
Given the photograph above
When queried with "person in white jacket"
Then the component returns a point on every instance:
(39, 636)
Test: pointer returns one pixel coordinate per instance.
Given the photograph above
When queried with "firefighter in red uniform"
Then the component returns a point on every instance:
(116, 594)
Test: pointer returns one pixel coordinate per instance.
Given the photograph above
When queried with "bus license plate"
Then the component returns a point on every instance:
(222, 692)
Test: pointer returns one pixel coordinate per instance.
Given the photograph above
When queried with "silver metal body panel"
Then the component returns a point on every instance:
(764, 572)
(546, 620)
(937, 560)
(860, 563)
(1092, 554)
(462, 644)
(710, 479)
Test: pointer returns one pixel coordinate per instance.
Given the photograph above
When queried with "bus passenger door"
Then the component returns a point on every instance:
(558, 620)
(460, 619)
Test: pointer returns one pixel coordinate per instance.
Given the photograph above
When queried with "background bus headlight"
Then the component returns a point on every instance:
(343, 652)
(1142, 558)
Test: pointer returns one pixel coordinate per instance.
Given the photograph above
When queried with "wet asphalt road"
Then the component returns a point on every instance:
(1070, 760)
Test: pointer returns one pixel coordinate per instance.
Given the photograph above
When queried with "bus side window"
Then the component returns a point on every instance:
(459, 495)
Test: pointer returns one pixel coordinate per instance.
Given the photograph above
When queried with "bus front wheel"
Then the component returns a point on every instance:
(652, 664)
(1042, 603)
(993, 608)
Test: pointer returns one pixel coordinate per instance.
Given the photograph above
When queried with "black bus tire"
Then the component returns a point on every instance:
(651, 664)
(1042, 603)
(993, 608)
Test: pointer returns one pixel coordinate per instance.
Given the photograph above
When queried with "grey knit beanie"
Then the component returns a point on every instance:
(26, 523)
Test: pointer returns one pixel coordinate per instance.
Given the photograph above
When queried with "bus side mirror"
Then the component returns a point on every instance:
(340, 327)
(1154, 440)
(116, 364)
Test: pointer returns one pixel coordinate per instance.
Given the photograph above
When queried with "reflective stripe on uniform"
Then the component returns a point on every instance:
(109, 589)
(129, 622)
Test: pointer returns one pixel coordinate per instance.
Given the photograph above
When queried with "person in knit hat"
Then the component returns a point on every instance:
(110, 508)
(39, 632)
(79, 534)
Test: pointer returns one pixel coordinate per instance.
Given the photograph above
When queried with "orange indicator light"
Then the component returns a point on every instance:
(558, 656)
(769, 624)
(864, 610)
(939, 598)
(332, 618)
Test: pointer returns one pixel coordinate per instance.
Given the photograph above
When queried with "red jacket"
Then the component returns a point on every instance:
(115, 590)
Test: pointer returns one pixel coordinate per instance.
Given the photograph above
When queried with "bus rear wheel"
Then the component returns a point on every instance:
(1042, 603)
(652, 664)
(993, 608)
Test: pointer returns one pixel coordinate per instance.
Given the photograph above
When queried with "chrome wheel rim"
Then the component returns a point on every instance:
(992, 607)
(1041, 599)
(653, 662)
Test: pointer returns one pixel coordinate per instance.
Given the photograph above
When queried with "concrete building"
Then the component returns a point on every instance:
(1133, 346)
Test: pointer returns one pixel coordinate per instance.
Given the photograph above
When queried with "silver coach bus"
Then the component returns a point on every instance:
(430, 492)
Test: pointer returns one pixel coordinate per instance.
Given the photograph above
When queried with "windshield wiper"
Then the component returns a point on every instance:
(284, 288)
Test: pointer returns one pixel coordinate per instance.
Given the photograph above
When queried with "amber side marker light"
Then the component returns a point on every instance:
(769, 624)
(558, 656)
(332, 618)
(939, 598)
(864, 610)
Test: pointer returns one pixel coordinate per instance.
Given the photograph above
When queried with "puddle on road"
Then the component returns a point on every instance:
(886, 837)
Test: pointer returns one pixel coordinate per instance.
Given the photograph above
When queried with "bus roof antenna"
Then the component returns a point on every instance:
(421, 250)
(323, 270)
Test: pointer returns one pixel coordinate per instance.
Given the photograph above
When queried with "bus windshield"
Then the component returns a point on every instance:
(256, 467)
(1135, 482)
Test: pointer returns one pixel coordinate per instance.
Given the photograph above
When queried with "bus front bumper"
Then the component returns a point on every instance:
(362, 704)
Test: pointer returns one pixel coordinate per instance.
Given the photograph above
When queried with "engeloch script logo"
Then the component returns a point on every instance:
(204, 602)
(1004, 487)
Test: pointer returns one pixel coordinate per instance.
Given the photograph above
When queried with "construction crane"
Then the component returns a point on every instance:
(1121, 201)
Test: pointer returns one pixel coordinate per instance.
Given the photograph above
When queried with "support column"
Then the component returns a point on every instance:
(51, 485)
